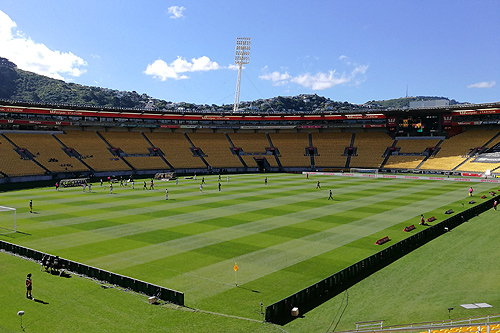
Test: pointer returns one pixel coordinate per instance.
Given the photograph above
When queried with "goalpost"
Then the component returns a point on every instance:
(361, 170)
(8, 220)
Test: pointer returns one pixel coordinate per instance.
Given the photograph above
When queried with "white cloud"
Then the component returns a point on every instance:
(176, 11)
(36, 57)
(318, 81)
(486, 84)
(163, 71)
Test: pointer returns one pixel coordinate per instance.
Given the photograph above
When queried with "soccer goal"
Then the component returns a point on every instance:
(8, 220)
(360, 170)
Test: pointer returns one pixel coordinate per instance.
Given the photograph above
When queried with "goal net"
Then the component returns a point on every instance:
(8, 220)
(361, 170)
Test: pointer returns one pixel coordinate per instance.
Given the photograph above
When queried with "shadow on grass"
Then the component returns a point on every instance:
(40, 301)
(252, 290)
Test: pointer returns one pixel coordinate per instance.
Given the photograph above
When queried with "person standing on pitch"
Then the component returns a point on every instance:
(330, 196)
(219, 187)
(470, 191)
(90, 187)
(31, 206)
(166, 194)
(29, 286)
(265, 181)
(318, 186)
(110, 188)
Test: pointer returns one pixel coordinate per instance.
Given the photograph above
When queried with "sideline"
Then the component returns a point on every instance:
(371, 175)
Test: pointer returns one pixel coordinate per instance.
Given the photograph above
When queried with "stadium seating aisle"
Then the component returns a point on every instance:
(409, 147)
(176, 149)
(13, 165)
(217, 148)
(370, 149)
(292, 148)
(93, 150)
(133, 143)
(453, 150)
(330, 148)
(253, 143)
(48, 152)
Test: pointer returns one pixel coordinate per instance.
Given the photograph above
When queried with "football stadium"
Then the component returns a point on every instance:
(138, 220)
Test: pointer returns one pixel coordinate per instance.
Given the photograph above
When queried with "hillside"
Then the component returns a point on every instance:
(17, 84)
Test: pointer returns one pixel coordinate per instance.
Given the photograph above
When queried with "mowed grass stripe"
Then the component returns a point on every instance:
(148, 221)
(277, 257)
(190, 243)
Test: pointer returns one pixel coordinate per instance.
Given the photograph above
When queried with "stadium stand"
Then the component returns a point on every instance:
(409, 147)
(454, 150)
(370, 149)
(217, 148)
(254, 144)
(133, 143)
(13, 165)
(48, 152)
(292, 148)
(176, 148)
(330, 148)
(93, 150)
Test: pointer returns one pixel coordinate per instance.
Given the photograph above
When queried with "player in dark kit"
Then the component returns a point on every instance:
(29, 286)
(330, 196)
(318, 186)
(31, 206)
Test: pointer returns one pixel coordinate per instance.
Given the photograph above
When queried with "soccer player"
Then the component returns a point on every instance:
(84, 186)
(422, 219)
(152, 186)
(203, 180)
(495, 205)
(57, 186)
(101, 181)
(166, 194)
(29, 286)
(132, 182)
(145, 187)
(176, 181)
(111, 188)
(318, 186)
(219, 187)
(470, 191)
(90, 187)
(265, 181)
(330, 196)
(31, 206)
(201, 187)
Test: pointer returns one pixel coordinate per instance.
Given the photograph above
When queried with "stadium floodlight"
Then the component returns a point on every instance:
(241, 57)
(8, 223)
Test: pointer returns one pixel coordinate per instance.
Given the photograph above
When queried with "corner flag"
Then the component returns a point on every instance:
(235, 267)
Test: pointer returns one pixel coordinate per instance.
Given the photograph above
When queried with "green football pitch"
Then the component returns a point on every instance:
(284, 235)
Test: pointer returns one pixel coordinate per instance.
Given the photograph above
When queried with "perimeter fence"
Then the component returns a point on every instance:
(308, 298)
(123, 281)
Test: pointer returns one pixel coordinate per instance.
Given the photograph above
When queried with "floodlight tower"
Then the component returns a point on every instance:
(241, 57)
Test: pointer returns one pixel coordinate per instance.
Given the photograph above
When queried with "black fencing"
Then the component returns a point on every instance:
(318, 293)
(162, 293)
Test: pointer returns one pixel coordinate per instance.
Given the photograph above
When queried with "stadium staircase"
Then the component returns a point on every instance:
(232, 146)
(348, 161)
(275, 156)
(388, 155)
(309, 136)
(428, 156)
(111, 147)
(152, 146)
(66, 148)
(18, 149)
(194, 147)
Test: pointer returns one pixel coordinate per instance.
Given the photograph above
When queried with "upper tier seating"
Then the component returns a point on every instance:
(176, 148)
(330, 148)
(370, 149)
(13, 165)
(217, 148)
(94, 151)
(252, 143)
(292, 147)
(453, 150)
(48, 152)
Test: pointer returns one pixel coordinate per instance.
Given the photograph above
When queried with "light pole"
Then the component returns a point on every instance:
(241, 57)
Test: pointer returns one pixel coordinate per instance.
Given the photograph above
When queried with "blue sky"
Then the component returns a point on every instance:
(183, 51)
